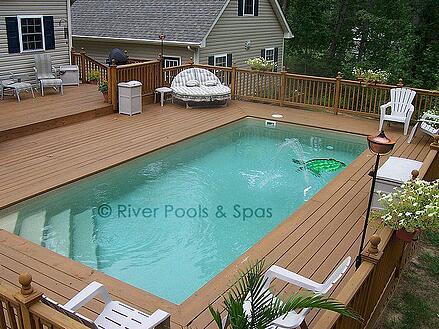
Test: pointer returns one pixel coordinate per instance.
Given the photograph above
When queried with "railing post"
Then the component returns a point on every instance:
(112, 84)
(233, 82)
(282, 86)
(400, 83)
(337, 93)
(83, 69)
(26, 298)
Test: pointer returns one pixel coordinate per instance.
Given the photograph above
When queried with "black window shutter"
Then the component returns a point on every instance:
(240, 7)
(211, 60)
(49, 32)
(12, 33)
(229, 60)
(256, 11)
(262, 53)
(276, 55)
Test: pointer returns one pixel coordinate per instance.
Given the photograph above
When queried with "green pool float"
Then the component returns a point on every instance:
(319, 166)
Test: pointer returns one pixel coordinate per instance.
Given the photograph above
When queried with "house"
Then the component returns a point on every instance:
(215, 32)
(31, 27)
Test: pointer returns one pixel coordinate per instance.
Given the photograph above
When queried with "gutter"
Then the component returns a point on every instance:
(139, 41)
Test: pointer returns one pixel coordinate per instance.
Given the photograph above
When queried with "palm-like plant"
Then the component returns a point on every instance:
(250, 287)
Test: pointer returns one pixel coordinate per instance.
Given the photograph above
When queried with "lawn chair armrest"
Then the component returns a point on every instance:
(87, 294)
(384, 107)
(156, 318)
(276, 272)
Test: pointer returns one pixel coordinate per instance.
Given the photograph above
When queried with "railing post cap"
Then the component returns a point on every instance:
(25, 279)
(82, 50)
(113, 62)
(400, 82)
(415, 174)
(338, 75)
(375, 240)
(436, 139)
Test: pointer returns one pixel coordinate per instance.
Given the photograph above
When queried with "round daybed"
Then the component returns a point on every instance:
(199, 85)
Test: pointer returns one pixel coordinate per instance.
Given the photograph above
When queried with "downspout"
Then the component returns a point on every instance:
(69, 27)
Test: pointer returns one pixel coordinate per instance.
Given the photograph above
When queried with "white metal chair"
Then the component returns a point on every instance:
(115, 315)
(429, 124)
(293, 319)
(401, 107)
(46, 74)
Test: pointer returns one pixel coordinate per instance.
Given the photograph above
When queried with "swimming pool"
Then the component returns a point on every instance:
(169, 221)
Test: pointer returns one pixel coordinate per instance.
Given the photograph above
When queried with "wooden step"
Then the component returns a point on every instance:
(58, 237)
(32, 227)
(9, 222)
(83, 247)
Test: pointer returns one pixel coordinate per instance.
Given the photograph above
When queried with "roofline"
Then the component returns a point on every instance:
(142, 41)
(277, 10)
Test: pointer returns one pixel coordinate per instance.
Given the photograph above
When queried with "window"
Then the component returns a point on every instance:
(31, 33)
(249, 7)
(269, 54)
(170, 61)
(221, 60)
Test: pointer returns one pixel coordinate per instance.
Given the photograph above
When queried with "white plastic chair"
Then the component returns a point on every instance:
(115, 315)
(401, 107)
(429, 124)
(293, 319)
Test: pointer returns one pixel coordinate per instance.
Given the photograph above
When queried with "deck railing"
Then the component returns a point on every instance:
(368, 290)
(86, 65)
(23, 309)
(318, 93)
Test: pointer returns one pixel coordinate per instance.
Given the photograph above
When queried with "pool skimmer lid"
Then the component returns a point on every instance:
(277, 116)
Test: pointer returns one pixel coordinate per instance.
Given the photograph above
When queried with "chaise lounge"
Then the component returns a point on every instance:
(199, 85)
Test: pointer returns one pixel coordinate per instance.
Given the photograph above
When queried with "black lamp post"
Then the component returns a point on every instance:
(378, 145)
(162, 40)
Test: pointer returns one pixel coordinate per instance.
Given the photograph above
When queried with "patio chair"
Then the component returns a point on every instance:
(115, 314)
(429, 124)
(46, 73)
(401, 108)
(293, 319)
(15, 85)
(199, 85)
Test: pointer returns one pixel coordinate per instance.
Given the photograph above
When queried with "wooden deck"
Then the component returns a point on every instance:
(312, 241)
(53, 110)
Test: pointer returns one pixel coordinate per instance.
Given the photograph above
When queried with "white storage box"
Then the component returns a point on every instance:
(69, 75)
(130, 97)
(393, 173)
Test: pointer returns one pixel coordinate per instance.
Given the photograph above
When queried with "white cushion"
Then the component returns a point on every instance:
(192, 83)
(211, 83)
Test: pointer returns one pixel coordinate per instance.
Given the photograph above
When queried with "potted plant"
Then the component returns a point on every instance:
(411, 208)
(371, 76)
(260, 64)
(266, 307)
(103, 88)
(94, 77)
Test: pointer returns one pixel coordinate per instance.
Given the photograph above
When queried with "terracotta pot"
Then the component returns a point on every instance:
(403, 235)
(105, 97)
(94, 82)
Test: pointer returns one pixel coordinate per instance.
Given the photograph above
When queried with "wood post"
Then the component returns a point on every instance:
(282, 87)
(337, 92)
(83, 69)
(26, 298)
(400, 83)
(233, 81)
(112, 84)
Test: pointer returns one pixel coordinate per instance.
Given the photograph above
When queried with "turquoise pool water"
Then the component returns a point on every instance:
(168, 222)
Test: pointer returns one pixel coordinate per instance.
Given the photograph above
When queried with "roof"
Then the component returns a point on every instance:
(181, 21)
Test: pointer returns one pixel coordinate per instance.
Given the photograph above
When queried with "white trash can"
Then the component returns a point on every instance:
(393, 173)
(130, 97)
(69, 75)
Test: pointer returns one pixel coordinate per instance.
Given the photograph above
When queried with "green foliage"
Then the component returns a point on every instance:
(399, 37)
(94, 76)
(103, 87)
(250, 288)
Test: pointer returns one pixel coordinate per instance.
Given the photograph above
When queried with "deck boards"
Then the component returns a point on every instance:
(312, 241)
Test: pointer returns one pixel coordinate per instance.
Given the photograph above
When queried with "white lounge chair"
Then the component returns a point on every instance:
(199, 85)
(46, 73)
(115, 315)
(428, 124)
(401, 108)
(293, 319)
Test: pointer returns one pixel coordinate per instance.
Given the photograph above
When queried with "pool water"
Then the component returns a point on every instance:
(169, 221)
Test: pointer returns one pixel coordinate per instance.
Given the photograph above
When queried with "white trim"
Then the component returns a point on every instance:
(218, 56)
(243, 8)
(265, 52)
(69, 28)
(173, 58)
(143, 41)
(20, 36)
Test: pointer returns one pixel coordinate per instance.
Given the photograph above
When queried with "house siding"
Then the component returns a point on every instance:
(99, 49)
(22, 64)
(232, 31)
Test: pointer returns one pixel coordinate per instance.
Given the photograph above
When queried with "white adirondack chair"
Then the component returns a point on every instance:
(401, 108)
(115, 315)
(293, 319)
(428, 124)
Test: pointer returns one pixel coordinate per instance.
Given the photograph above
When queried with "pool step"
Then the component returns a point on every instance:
(9, 222)
(83, 247)
(32, 227)
(59, 235)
